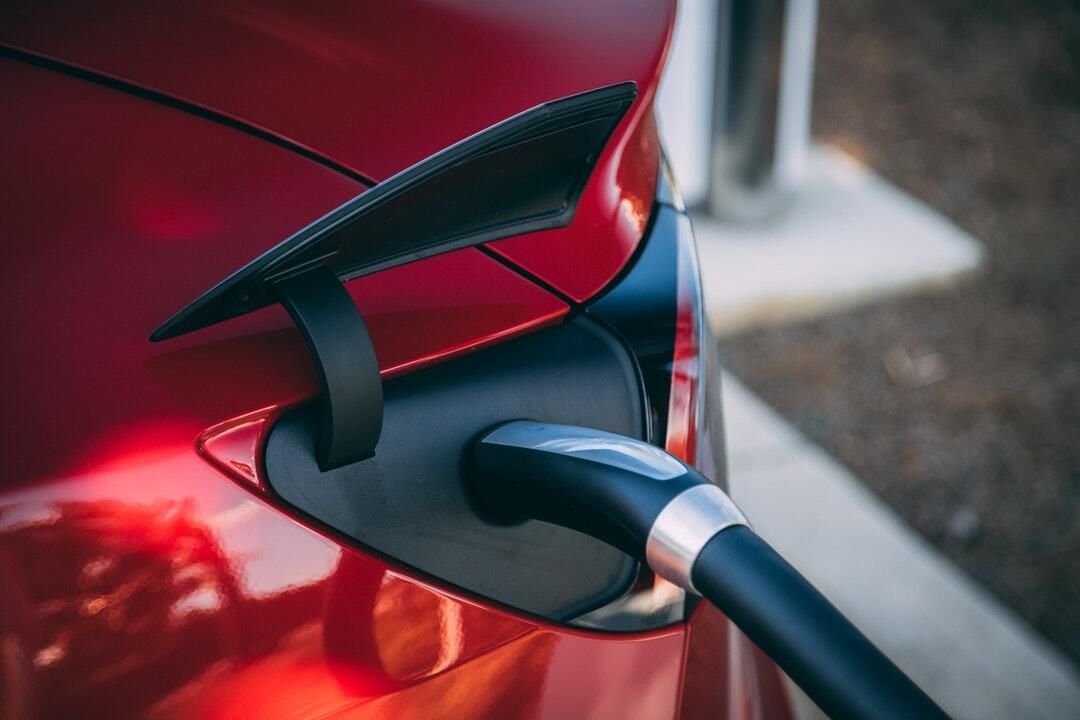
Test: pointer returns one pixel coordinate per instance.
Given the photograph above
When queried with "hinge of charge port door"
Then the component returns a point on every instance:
(351, 388)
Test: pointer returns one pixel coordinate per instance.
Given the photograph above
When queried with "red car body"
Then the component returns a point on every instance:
(149, 150)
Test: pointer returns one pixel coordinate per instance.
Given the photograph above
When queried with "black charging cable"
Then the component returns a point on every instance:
(651, 505)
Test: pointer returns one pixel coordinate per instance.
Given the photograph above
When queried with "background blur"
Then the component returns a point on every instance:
(974, 108)
(958, 405)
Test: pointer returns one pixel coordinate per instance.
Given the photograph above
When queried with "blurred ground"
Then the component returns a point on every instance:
(960, 408)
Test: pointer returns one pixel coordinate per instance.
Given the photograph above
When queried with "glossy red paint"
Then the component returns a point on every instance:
(124, 217)
(725, 675)
(377, 87)
(156, 588)
(137, 578)
(140, 581)
(446, 306)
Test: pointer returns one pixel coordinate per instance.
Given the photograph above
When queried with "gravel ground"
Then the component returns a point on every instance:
(961, 408)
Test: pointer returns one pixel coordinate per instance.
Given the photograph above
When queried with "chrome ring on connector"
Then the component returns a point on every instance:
(684, 526)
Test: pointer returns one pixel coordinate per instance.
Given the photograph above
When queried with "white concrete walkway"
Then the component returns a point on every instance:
(849, 237)
(962, 646)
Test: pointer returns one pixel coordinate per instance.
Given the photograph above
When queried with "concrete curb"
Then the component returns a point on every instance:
(968, 651)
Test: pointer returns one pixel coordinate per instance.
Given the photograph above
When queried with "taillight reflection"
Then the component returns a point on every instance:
(685, 400)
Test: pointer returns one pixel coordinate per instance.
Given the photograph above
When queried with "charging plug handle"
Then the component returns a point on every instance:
(656, 508)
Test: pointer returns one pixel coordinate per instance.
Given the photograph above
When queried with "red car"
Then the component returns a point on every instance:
(155, 560)
(269, 272)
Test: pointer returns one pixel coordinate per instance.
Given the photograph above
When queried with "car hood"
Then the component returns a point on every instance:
(374, 87)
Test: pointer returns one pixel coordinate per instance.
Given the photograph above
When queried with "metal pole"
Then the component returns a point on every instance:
(764, 67)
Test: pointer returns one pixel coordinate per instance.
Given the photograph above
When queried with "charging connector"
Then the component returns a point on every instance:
(656, 508)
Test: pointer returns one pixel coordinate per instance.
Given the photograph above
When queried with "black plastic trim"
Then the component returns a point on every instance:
(521, 175)
(351, 397)
(409, 503)
(642, 308)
